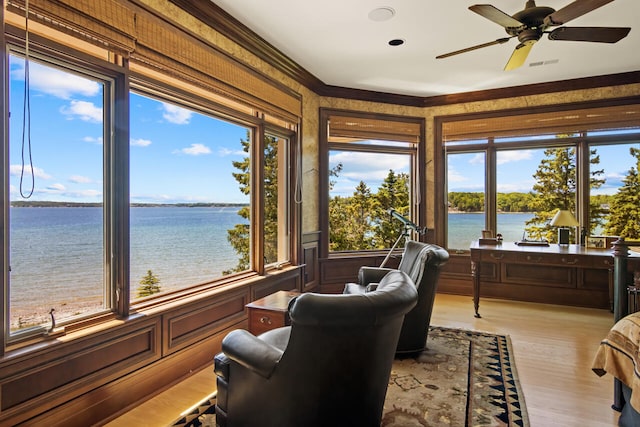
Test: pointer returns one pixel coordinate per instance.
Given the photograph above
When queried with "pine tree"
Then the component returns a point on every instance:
(624, 209)
(555, 189)
(359, 223)
(148, 285)
(392, 194)
(238, 236)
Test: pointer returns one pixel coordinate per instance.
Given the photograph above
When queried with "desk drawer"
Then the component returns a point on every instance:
(532, 274)
(569, 260)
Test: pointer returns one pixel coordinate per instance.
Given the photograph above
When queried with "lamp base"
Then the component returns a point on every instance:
(563, 236)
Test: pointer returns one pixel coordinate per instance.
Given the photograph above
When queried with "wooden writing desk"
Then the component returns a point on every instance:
(554, 274)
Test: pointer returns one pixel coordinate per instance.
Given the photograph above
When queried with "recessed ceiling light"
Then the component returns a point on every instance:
(396, 42)
(382, 14)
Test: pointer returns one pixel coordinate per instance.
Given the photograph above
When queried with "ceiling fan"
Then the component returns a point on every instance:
(533, 21)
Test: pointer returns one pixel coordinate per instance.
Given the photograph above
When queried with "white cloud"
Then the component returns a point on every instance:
(93, 140)
(87, 193)
(56, 188)
(55, 82)
(223, 152)
(177, 115)
(478, 159)
(455, 176)
(195, 150)
(78, 179)
(84, 110)
(139, 142)
(503, 157)
(368, 167)
(16, 170)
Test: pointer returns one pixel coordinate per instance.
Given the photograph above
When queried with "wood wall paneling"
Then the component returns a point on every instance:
(68, 370)
(190, 323)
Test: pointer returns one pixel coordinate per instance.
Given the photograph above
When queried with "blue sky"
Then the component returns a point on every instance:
(516, 168)
(466, 171)
(177, 155)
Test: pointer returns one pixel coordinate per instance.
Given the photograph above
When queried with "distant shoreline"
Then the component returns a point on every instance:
(49, 204)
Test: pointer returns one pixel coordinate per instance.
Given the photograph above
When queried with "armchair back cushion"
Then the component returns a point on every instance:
(331, 367)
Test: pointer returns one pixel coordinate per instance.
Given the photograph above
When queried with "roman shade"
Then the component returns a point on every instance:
(553, 122)
(346, 128)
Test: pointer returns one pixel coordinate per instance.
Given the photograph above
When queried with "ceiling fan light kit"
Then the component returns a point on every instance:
(529, 24)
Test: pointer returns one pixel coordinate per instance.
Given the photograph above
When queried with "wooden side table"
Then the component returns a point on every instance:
(270, 312)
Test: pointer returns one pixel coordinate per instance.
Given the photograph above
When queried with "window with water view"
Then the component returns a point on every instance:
(57, 176)
(184, 197)
(594, 175)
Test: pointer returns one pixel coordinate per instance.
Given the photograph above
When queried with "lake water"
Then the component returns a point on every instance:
(467, 227)
(57, 253)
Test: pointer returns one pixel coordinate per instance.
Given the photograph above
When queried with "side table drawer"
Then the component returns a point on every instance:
(264, 320)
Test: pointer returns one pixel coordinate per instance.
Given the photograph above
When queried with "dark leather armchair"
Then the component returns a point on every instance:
(331, 367)
(422, 262)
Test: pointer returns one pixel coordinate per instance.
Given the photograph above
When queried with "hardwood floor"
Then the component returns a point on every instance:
(553, 348)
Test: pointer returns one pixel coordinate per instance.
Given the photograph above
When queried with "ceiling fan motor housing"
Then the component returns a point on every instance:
(533, 19)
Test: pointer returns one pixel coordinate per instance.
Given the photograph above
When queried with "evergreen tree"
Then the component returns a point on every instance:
(392, 194)
(270, 225)
(149, 285)
(624, 212)
(360, 218)
(555, 189)
(238, 236)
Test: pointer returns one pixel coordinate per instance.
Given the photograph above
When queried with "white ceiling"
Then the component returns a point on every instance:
(338, 43)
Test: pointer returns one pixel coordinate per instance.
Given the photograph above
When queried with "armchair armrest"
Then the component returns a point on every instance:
(368, 275)
(251, 352)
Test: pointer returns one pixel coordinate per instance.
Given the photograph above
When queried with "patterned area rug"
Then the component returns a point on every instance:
(464, 378)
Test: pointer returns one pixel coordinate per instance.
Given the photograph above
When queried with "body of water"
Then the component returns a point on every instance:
(464, 228)
(57, 254)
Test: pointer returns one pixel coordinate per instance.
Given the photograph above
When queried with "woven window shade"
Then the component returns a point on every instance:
(128, 30)
(161, 45)
(567, 122)
(107, 23)
(344, 128)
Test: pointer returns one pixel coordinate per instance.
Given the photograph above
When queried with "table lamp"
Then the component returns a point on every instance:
(564, 219)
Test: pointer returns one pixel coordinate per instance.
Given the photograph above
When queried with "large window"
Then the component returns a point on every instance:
(152, 193)
(57, 151)
(370, 171)
(184, 198)
(585, 161)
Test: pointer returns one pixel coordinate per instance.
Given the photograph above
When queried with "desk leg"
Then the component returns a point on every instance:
(475, 274)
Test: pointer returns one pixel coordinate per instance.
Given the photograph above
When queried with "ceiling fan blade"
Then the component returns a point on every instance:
(590, 34)
(496, 15)
(479, 46)
(519, 55)
(573, 10)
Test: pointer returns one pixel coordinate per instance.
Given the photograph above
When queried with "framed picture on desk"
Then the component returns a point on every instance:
(596, 242)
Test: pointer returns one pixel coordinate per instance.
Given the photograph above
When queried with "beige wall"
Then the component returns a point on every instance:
(312, 102)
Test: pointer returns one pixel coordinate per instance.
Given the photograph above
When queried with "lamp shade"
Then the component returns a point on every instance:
(564, 218)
